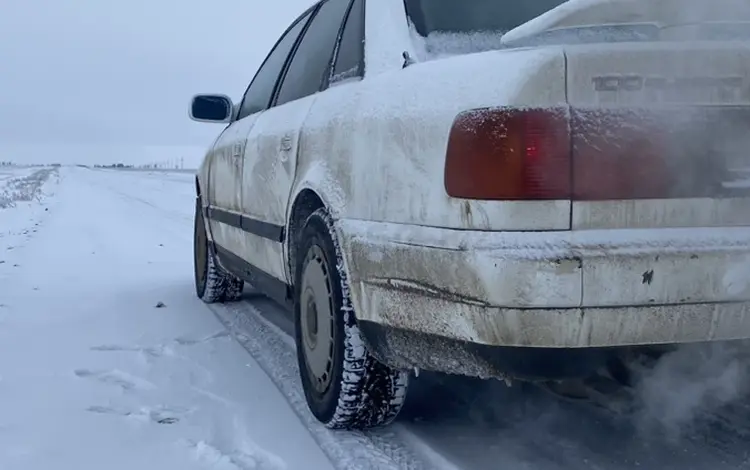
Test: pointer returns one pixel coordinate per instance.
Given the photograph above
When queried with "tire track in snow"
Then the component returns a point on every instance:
(125, 381)
(272, 349)
(454, 422)
(108, 302)
(167, 213)
(157, 415)
(478, 424)
(253, 458)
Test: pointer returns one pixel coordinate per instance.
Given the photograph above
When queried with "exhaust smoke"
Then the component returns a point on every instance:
(692, 386)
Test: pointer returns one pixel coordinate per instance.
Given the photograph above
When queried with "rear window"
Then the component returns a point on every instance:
(450, 27)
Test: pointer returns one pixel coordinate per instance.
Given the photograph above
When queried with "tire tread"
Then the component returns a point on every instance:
(221, 286)
(371, 394)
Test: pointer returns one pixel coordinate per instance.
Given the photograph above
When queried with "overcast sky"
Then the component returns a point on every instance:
(121, 72)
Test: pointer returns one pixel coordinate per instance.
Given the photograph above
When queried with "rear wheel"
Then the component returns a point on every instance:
(212, 283)
(345, 387)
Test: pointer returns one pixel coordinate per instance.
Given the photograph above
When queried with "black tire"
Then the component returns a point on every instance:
(355, 391)
(212, 283)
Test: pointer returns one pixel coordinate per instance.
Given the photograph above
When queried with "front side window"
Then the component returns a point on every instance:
(259, 93)
(313, 56)
(449, 27)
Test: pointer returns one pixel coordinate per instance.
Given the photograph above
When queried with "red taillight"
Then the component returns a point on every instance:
(509, 154)
(619, 154)
(586, 154)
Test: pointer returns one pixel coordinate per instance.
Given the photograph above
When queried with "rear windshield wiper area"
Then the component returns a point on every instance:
(637, 32)
(632, 32)
(446, 43)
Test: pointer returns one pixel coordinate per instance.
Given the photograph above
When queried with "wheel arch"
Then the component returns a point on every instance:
(318, 189)
(305, 203)
(201, 205)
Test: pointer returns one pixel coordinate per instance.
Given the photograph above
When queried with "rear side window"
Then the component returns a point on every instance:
(259, 93)
(351, 49)
(312, 59)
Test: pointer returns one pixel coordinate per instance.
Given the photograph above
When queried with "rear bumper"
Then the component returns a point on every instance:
(592, 289)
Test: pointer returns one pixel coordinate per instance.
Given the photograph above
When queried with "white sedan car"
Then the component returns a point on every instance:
(517, 190)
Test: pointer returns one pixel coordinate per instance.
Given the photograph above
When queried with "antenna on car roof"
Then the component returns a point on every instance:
(408, 60)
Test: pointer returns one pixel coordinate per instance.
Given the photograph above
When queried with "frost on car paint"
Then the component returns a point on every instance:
(535, 271)
(640, 244)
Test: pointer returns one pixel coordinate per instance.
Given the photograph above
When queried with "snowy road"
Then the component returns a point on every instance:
(93, 375)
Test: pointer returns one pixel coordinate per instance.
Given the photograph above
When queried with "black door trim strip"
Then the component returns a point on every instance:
(277, 290)
(225, 217)
(257, 227)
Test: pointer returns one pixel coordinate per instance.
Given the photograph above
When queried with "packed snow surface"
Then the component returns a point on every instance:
(93, 375)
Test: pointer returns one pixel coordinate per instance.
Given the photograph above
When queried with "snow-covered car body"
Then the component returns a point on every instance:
(599, 227)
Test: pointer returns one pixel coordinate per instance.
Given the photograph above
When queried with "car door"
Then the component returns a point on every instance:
(226, 172)
(225, 184)
(271, 153)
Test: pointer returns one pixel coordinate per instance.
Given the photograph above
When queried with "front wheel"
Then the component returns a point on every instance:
(212, 283)
(345, 387)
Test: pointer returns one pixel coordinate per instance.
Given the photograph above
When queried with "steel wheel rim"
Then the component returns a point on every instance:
(316, 319)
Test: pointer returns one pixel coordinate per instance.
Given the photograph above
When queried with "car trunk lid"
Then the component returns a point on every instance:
(660, 134)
